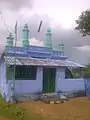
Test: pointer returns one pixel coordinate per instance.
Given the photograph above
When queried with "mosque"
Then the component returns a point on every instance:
(32, 69)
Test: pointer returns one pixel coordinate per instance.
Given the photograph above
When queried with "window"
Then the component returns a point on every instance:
(26, 73)
(68, 73)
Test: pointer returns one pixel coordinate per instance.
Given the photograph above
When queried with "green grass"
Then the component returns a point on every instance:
(12, 111)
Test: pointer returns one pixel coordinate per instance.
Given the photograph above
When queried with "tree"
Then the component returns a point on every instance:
(83, 23)
(87, 71)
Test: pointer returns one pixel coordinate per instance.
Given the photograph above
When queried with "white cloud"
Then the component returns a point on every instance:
(34, 41)
(57, 14)
(15, 5)
(85, 48)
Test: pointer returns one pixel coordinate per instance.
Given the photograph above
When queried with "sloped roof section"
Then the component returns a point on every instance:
(11, 61)
(73, 64)
(41, 62)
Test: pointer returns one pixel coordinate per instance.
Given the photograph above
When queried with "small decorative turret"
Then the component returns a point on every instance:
(48, 40)
(61, 47)
(25, 38)
(9, 42)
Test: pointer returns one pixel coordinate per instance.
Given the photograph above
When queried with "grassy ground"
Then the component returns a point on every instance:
(75, 109)
(11, 111)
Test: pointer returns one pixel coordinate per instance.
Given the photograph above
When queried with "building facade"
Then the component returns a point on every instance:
(32, 69)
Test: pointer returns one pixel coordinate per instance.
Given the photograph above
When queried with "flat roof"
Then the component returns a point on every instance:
(41, 62)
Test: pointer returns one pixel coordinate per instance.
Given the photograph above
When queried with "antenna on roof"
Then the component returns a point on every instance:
(40, 26)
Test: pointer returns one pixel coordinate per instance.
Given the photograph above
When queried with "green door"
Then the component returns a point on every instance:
(49, 80)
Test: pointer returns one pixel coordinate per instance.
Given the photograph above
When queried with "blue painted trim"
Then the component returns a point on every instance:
(35, 51)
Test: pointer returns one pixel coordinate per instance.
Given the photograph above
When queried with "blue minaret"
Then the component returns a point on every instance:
(25, 38)
(48, 39)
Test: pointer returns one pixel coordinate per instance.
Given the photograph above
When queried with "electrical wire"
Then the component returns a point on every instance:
(4, 21)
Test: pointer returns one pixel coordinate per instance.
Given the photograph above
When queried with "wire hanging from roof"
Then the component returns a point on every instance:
(4, 21)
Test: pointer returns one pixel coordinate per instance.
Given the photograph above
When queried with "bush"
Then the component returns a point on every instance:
(11, 111)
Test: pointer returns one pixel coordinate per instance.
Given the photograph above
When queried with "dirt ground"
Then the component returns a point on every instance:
(74, 109)
(3, 118)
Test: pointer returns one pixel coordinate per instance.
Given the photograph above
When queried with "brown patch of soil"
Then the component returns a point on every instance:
(3, 118)
(75, 109)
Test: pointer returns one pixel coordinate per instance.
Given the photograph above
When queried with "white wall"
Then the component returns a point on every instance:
(71, 85)
(32, 86)
(3, 83)
(68, 84)
(29, 86)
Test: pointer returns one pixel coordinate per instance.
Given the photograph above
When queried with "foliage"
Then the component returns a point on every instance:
(83, 23)
(85, 72)
(77, 72)
(11, 111)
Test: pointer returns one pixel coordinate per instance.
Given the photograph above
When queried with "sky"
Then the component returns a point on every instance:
(59, 15)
